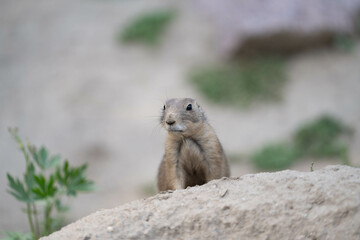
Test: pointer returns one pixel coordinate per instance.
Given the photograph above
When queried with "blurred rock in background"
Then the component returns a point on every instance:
(285, 26)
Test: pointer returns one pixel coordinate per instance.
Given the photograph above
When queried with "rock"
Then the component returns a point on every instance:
(323, 204)
(278, 26)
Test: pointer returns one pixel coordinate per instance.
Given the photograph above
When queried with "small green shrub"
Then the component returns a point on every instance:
(322, 138)
(275, 157)
(344, 43)
(147, 28)
(46, 182)
(242, 83)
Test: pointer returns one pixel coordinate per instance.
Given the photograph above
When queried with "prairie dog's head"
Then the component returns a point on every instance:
(182, 116)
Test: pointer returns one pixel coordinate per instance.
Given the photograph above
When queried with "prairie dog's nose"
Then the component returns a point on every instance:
(170, 121)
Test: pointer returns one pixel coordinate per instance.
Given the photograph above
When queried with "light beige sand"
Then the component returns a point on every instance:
(324, 204)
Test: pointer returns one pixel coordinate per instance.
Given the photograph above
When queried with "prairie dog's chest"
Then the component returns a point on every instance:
(191, 152)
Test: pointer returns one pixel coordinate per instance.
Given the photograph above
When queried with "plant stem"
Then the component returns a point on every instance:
(37, 229)
(48, 219)
(13, 131)
(28, 212)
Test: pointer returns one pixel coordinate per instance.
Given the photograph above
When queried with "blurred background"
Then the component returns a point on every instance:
(279, 81)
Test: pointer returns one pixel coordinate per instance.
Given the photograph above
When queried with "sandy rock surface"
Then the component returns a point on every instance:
(323, 204)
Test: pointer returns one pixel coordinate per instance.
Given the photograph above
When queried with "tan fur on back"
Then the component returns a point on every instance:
(193, 153)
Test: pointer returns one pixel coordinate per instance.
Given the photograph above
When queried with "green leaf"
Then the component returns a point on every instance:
(30, 180)
(17, 189)
(44, 188)
(17, 236)
(34, 154)
(43, 152)
(41, 157)
(73, 179)
(40, 180)
(50, 185)
(66, 166)
(54, 161)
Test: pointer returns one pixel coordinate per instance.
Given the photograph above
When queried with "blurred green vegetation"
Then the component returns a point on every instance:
(148, 189)
(16, 236)
(324, 137)
(275, 156)
(147, 28)
(243, 82)
(344, 43)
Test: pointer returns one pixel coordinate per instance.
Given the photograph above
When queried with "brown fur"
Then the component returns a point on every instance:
(193, 153)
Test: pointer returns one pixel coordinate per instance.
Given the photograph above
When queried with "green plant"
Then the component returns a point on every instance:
(148, 27)
(17, 236)
(344, 42)
(322, 138)
(242, 83)
(275, 157)
(45, 183)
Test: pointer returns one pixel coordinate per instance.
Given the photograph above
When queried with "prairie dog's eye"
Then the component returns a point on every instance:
(164, 107)
(189, 107)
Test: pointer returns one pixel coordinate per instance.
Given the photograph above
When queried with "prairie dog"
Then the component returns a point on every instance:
(193, 153)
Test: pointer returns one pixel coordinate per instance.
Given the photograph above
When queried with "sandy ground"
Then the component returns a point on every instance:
(67, 83)
(323, 204)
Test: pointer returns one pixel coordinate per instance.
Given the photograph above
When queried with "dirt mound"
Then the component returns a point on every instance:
(322, 204)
